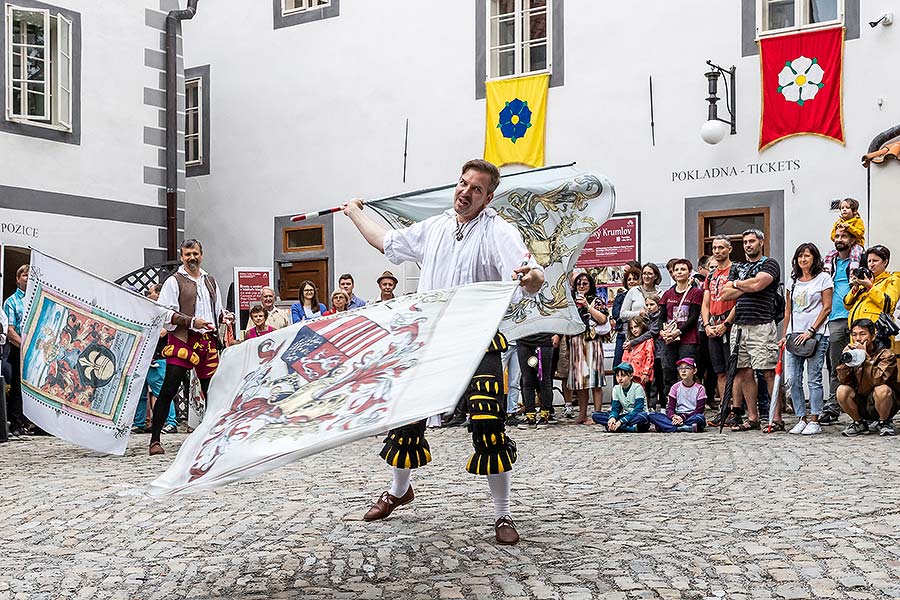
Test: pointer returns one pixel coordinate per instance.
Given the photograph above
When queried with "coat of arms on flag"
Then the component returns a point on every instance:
(516, 115)
(555, 210)
(332, 380)
(801, 85)
(86, 348)
(323, 344)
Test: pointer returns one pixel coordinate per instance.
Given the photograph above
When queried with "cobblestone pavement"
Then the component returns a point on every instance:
(601, 516)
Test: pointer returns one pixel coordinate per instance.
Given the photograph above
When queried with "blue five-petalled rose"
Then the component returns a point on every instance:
(515, 119)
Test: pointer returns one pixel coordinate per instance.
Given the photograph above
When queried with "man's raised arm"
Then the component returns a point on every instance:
(370, 230)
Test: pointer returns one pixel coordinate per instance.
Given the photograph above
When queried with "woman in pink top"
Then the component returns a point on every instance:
(258, 316)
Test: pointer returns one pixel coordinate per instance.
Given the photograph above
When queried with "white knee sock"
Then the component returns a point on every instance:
(401, 481)
(500, 485)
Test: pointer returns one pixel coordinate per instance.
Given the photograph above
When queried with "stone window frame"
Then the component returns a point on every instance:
(39, 130)
(281, 20)
(556, 54)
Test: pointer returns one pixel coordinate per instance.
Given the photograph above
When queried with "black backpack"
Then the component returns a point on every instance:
(779, 305)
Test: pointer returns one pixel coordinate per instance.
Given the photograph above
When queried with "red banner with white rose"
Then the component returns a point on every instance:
(801, 85)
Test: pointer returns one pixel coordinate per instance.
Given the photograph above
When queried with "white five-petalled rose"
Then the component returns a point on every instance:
(800, 80)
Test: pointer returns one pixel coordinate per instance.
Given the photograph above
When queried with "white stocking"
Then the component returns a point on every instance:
(401, 481)
(500, 485)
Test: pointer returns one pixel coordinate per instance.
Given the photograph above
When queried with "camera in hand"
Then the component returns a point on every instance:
(853, 357)
(862, 273)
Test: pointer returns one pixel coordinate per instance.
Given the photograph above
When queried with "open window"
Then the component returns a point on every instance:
(38, 54)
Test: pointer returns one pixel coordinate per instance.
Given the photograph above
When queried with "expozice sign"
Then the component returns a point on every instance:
(612, 245)
(18, 229)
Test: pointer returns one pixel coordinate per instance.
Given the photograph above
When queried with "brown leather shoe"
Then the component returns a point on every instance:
(386, 504)
(156, 448)
(505, 531)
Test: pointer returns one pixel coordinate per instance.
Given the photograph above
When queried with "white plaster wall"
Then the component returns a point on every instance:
(110, 160)
(308, 116)
(105, 248)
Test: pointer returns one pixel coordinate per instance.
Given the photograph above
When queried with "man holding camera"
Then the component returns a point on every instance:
(868, 390)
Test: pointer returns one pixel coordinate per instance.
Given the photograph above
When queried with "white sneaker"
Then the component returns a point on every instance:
(800, 427)
(569, 411)
(812, 428)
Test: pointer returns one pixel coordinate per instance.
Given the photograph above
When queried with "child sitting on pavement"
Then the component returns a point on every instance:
(628, 413)
(687, 401)
(640, 354)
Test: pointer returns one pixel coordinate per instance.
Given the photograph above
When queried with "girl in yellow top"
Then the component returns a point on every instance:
(866, 298)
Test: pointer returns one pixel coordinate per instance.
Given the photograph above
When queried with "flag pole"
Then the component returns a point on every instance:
(320, 213)
(374, 201)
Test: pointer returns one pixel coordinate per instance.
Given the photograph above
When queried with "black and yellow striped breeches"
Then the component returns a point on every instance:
(406, 447)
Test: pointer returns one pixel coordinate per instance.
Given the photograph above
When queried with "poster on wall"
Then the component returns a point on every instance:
(609, 249)
(248, 285)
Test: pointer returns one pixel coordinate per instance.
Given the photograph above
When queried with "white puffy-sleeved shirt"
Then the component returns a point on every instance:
(490, 250)
(168, 297)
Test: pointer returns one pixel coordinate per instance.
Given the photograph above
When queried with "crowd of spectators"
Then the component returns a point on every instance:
(676, 350)
(731, 325)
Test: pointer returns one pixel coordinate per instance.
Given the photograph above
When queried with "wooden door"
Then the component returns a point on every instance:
(731, 223)
(291, 277)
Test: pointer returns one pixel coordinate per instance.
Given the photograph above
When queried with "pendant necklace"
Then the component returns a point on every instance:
(459, 231)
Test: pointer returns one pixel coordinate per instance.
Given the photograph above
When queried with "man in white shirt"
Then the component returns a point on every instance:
(467, 244)
(195, 310)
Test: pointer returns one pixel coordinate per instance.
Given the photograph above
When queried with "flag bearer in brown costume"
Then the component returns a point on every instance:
(466, 244)
(195, 310)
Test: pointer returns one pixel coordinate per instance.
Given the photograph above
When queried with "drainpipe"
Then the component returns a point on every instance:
(172, 20)
(877, 142)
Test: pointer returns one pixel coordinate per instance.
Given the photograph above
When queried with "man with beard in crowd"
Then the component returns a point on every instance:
(753, 286)
(838, 329)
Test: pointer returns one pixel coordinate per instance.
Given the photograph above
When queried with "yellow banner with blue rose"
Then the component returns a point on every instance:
(516, 115)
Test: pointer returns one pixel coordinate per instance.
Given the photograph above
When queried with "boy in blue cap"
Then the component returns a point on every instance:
(629, 404)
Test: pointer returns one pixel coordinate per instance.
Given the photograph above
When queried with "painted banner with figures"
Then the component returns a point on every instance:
(555, 209)
(329, 381)
(86, 347)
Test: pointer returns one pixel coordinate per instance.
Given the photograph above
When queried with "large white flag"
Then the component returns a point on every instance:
(555, 209)
(332, 380)
(86, 347)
